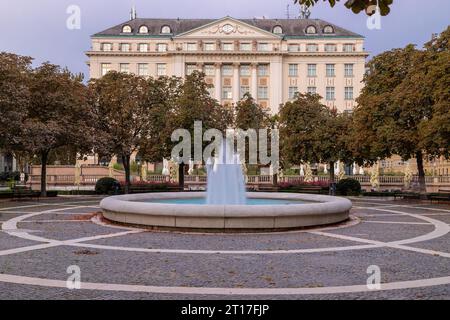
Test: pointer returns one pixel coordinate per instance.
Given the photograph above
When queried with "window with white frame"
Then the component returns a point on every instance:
(161, 69)
(312, 70)
(191, 46)
(277, 30)
(263, 46)
(124, 67)
(312, 90)
(245, 46)
(106, 46)
(105, 68)
(292, 92)
(348, 93)
(329, 47)
(126, 29)
(161, 47)
(190, 68)
(311, 30)
(328, 29)
(312, 47)
(348, 47)
(293, 48)
(227, 46)
(143, 47)
(348, 69)
(263, 70)
(293, 70)
(263, 92)
(330, 72)
(125, 47)
(245, 70)
(227, 93)
(209, 70)
(243, 91)
(209, 46)
(166, 30)
(143, 29)
(227, 70)
(330, 95)
(143, 69)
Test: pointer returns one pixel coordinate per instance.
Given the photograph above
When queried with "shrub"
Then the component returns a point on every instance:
(347, 187)
(107, 185)
(8, 176)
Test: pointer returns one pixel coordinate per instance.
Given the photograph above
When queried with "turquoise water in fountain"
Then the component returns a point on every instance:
(249, 201)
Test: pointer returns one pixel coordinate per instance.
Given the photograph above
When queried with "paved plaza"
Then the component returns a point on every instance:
(408, 241)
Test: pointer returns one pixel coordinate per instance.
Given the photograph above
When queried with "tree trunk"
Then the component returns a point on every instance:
(181, 175)
(331, 177)
(419, 159)
(44, 159)
(126, 166)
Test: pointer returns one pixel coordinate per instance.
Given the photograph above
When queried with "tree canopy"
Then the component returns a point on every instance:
(403, 108)
(355, 5)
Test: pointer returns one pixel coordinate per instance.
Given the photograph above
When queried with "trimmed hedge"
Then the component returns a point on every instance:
(348, 187)
(107, 185)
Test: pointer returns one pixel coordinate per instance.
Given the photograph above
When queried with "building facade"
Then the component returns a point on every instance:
(271, 59)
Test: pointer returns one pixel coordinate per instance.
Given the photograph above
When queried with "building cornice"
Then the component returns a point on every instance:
(226, 53)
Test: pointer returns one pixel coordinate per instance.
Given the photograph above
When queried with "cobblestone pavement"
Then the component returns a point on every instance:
(408, 241)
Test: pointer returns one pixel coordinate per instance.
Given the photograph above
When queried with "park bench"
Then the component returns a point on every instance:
(407, 195)
(147, 189)
(309, 189)
(441, 195)
(268, 188)
(21, 192)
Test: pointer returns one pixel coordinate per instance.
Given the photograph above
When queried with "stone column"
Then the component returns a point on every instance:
(236, 83)
(276, 84)
(179, 66)
(254, 86)
(200, 66)
(218, 82)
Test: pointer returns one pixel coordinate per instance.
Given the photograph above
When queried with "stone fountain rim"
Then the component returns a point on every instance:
(320, 205)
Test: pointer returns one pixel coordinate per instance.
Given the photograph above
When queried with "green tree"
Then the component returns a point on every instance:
(433, 81)
(355, 5)
(299, 123)
(194, 103)
(250, 115)
(403, 108)
(15, 74)
(122, 118)
(334, 143)
(162, 95)
(311, 132)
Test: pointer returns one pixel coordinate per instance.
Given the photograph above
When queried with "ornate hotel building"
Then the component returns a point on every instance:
(270, 58)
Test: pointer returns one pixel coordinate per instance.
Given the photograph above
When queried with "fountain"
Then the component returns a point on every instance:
(225, 182)
(225, 207)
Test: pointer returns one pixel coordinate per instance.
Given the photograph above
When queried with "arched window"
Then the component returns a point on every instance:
(328, 29)
(311, 30)
(277, 30)
(143, 29)
(166, 30)
(126, 29)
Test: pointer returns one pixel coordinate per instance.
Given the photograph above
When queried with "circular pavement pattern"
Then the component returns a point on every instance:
(408, 242)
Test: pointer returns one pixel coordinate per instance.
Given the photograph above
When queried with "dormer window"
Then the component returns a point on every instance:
(277, 30)
(143, 29)
(311, 30)
(328, 29)
(126, 29)
(166, 30)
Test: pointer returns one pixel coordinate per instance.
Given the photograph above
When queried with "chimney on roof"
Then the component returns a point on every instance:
(133, 14)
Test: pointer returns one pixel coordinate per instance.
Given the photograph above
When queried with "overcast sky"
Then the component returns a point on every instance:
(38, 28)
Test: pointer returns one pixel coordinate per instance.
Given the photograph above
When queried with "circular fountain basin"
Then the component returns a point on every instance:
(189, 211)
